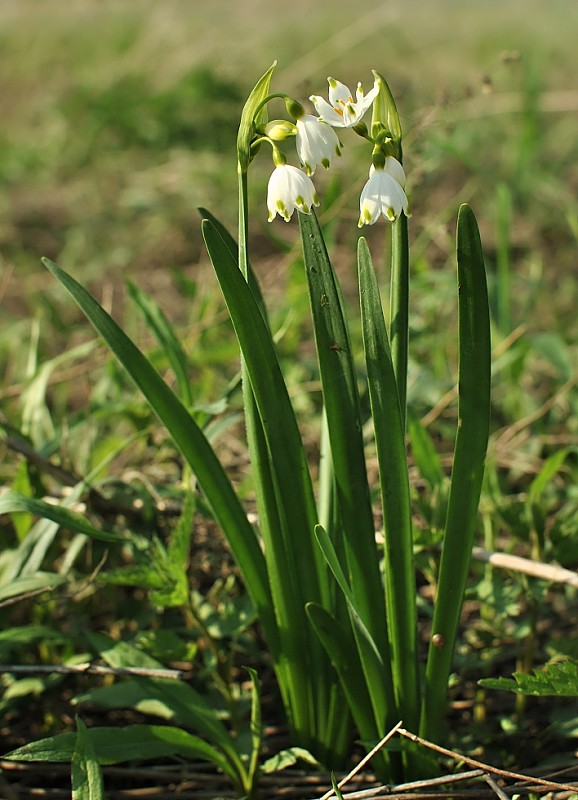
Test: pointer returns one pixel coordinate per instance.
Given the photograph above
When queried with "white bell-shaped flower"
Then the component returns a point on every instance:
(316, 143)
(383, 194)
(290, 188)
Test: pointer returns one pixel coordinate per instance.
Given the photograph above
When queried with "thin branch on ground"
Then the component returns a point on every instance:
(91, 669)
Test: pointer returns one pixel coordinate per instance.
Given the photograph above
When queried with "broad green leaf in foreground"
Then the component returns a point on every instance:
(131, 743)
(85, 770)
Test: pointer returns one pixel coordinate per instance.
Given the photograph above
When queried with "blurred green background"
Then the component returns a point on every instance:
(119, 118)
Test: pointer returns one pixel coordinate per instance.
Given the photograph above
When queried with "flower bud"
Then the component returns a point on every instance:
(279, 129)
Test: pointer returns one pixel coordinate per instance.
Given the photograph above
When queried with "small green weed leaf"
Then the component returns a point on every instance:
(556, 352)
(36, 418)
(256, 725)
(557, 679)
(549, 470)
(22, 485)
(176, 558)
(86, 774)
(14, 637)
(12, 502)
(288, 758)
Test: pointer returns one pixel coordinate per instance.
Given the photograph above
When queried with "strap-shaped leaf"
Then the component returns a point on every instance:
(296, 569)
(468, 467)
(190, 440)
(12, 502)
(341, 400)
(388, 425)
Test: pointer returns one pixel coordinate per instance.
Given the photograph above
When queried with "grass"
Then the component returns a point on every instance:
(108, 147)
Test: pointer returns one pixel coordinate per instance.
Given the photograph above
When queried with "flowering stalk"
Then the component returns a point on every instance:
(296, 570)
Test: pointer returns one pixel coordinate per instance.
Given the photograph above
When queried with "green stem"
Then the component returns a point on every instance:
(399, 308)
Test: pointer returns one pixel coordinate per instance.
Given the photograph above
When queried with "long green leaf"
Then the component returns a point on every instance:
(256, 728)
(11, 503)
(294, 563)
(130, 743)
(377, 671)
(468, 468)
(190, 440)
(340, 396)
(346, 660)
(389, 435)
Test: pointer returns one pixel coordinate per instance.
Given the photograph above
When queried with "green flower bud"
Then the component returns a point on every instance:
(294, 109)
(279, 129)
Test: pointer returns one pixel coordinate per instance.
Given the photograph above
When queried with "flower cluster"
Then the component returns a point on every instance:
(317, 144)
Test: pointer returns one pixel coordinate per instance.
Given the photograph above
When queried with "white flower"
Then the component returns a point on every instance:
(290, 188)
(342, 111)
(383, 194)
(316, 143)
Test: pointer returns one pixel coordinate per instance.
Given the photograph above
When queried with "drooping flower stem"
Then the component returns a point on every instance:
(243, 222)
(399, 307)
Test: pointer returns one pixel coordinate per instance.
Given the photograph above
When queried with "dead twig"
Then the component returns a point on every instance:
(91, 669)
